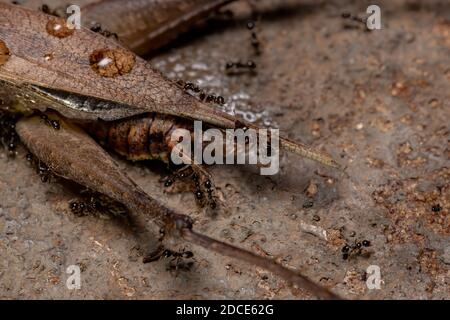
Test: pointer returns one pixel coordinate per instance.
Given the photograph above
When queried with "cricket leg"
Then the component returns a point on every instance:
(74, 155)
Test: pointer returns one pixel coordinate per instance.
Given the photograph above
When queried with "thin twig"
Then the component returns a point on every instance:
(238, 253)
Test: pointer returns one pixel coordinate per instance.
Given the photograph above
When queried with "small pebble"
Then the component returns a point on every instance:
(312, 190)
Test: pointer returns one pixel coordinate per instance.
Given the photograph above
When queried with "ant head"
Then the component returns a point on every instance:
(55, 124)
(167, 253)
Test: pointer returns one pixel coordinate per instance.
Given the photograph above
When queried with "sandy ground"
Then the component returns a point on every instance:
(378, 101)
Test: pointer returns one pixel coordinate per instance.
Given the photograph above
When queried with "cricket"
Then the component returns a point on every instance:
(218, 150)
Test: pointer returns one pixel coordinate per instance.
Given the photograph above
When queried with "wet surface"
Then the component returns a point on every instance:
(378, 101)
(58, 27)
(111, 63)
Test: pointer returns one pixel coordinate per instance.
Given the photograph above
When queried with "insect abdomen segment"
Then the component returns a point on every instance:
(146, 137)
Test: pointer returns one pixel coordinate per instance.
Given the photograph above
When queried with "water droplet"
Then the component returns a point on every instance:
(4, 53)
(48, 56)
(200, 66)
(58, 27)
(112, 62)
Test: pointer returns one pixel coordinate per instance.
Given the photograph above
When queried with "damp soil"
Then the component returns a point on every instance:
(377, 101)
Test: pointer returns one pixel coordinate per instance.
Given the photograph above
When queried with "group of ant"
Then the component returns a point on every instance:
(202, 95)
(82, 208)
(44, 172)
(10, 140)
(8, 135)
(92, 203)
(199, 194)
(238, 67)
(350, 251)
(55, 124)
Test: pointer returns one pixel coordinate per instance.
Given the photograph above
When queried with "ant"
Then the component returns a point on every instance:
(50, 122)
(199, 194)
(82, 208)
(202, 95)
(97, 28)
(46, 9)
(209, 190)
(354, 21)
(256, 44)
(239, 67)
(349, 251)
(176, 262)
(44, 172)
(167, 253)
(436, 208)
(8, 135)
(93, 202)
(348, 15)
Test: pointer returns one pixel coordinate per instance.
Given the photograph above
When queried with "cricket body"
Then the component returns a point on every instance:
(90, 81)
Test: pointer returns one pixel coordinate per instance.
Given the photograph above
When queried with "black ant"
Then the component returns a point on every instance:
(209, 190)
(46, 9)
(349, 251)
(50, 122)
(436, 208)
(93, 202)
(180, 174)
(239, 67)
(256, 44)
(348, 15)
(97, 28)
(354, 21)
(8, 135)
(44, 172)
(199, 194)
(177, 257)
(82, 208)
(183, 254)
(202, 95)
